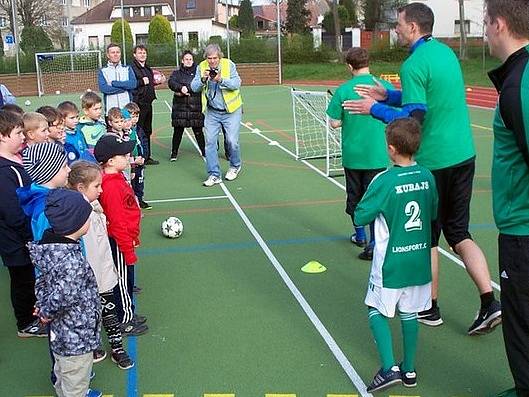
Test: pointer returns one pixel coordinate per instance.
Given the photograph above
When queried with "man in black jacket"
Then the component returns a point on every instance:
(144, 95)
(507, 28)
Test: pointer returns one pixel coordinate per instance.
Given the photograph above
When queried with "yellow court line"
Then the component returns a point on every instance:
(218, 395)
(481, 127)
(342, 395)
(279, 395)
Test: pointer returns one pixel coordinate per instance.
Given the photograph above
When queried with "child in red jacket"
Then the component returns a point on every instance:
(123, 220)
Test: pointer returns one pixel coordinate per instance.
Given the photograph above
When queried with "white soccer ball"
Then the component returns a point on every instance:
(88, 90)
(172, 227)
(27, 103)
(57, 92)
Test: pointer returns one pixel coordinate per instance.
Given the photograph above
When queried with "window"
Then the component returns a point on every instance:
(191, 4)
(260, 25)
(93, 42)
(158, 10)
(43, 21)
(141, 39)
(86, 3)
(64, 21)
(180, 38)
(63, 2)
(3, 22)
(147, 11)
(136, 12)
(107, 40)
(457, 28)
(193, 38)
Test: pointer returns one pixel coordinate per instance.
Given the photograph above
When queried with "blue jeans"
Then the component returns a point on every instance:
(231, 123)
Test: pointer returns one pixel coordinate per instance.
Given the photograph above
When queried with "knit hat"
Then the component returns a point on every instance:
(43, 161)
(110, 145)
(67, 211)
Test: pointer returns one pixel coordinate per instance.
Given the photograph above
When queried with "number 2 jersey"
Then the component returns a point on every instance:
(402, 201)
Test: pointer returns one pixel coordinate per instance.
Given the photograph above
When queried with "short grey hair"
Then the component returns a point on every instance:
(211, 49)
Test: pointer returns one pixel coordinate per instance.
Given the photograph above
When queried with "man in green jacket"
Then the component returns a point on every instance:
(507, 28)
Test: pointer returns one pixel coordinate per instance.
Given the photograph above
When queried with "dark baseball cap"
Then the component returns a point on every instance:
(110, 145)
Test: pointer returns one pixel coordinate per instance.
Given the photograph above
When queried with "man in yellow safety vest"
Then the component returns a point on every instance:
(219, 82)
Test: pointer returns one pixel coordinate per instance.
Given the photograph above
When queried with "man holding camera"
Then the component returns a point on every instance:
(222, 106)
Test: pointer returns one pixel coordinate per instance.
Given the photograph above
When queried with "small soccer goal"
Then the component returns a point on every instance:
(315, 138)
(67, 71)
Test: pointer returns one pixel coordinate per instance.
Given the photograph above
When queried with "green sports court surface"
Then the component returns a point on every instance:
(231, 314)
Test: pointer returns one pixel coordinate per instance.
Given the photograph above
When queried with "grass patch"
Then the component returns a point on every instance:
(473, 71)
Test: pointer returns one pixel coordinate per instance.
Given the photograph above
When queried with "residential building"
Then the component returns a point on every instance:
(197, 20)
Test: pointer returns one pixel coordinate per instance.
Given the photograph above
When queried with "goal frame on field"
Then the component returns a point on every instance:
(314, 137)
(69, 77)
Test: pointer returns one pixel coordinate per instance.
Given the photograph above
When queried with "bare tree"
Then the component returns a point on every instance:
(34, 13)
(462, 30)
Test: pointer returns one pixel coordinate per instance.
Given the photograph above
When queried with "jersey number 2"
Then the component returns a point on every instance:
(413, 210)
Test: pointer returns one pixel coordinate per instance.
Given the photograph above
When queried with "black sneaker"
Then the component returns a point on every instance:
(35, 329)
(99, 355)
(122, 359)
(409, 379)
(366, 254)
(132, 329)
(136, 290)
(138, 320)
(358, 243)
(173, 157)
(384, 379)
(486, 320)
(431, 317)
(151, 161)
(144, 205)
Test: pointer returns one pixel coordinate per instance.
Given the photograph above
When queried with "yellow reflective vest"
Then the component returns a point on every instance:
(232, 98)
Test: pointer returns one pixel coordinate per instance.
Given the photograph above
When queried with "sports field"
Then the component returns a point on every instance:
(231, 314)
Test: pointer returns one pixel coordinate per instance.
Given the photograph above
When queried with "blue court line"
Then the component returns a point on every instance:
(132, 373)
(253, 244)
(234, 246)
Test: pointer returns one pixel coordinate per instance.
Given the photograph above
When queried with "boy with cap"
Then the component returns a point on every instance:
(123, 220)
(66, 291)
(15, 230)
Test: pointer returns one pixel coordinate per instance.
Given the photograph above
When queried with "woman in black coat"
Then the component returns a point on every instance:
(187, 105)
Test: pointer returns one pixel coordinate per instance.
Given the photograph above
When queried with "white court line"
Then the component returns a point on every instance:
(188, 199)
(441, 250)
(327, 337)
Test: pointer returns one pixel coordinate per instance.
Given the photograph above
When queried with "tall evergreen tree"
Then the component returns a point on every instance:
(117, 37)
(246, 20)
(298, 17)
(160, 31)
(377, 12)
(343, 16)
(351, 5)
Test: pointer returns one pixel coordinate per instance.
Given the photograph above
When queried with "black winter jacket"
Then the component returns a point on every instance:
(15, 227)
(187, 109)
(143, 94)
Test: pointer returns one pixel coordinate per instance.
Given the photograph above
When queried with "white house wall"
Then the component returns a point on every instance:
(447, 12)
(204, 27)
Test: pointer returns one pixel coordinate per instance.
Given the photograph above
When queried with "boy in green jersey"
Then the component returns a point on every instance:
(402, 201)
(363, 142)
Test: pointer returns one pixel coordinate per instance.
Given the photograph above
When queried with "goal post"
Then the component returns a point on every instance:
(314, 137)
(68, 71)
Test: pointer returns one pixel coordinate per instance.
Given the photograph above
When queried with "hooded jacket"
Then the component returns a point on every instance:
(123, 214)
(66, 292)
(91, 130)
(33, 201)
(187, 109)
(15, 230)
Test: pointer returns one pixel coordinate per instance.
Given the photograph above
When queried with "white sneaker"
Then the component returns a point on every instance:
(212, 180)
(232, 173)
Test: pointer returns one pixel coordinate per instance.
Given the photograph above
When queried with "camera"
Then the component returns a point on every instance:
(213, 73)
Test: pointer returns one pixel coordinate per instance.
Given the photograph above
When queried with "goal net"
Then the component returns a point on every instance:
(67, 71)
(315, 138)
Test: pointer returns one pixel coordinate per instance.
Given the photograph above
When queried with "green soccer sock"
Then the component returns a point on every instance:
(382, 333)
(410, 331)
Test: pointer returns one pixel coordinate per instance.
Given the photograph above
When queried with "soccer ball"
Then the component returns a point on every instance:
(159, 77)
(172, 227)
(27, 103)
(57, 92)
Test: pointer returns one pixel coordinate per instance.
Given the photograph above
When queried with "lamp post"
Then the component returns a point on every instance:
(175, 33)
(15, 33)
(228, 29)
(123, 33)
(279, 42)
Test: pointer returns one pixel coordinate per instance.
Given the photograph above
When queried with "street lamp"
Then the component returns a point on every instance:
(175, 33)
(279, 41)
